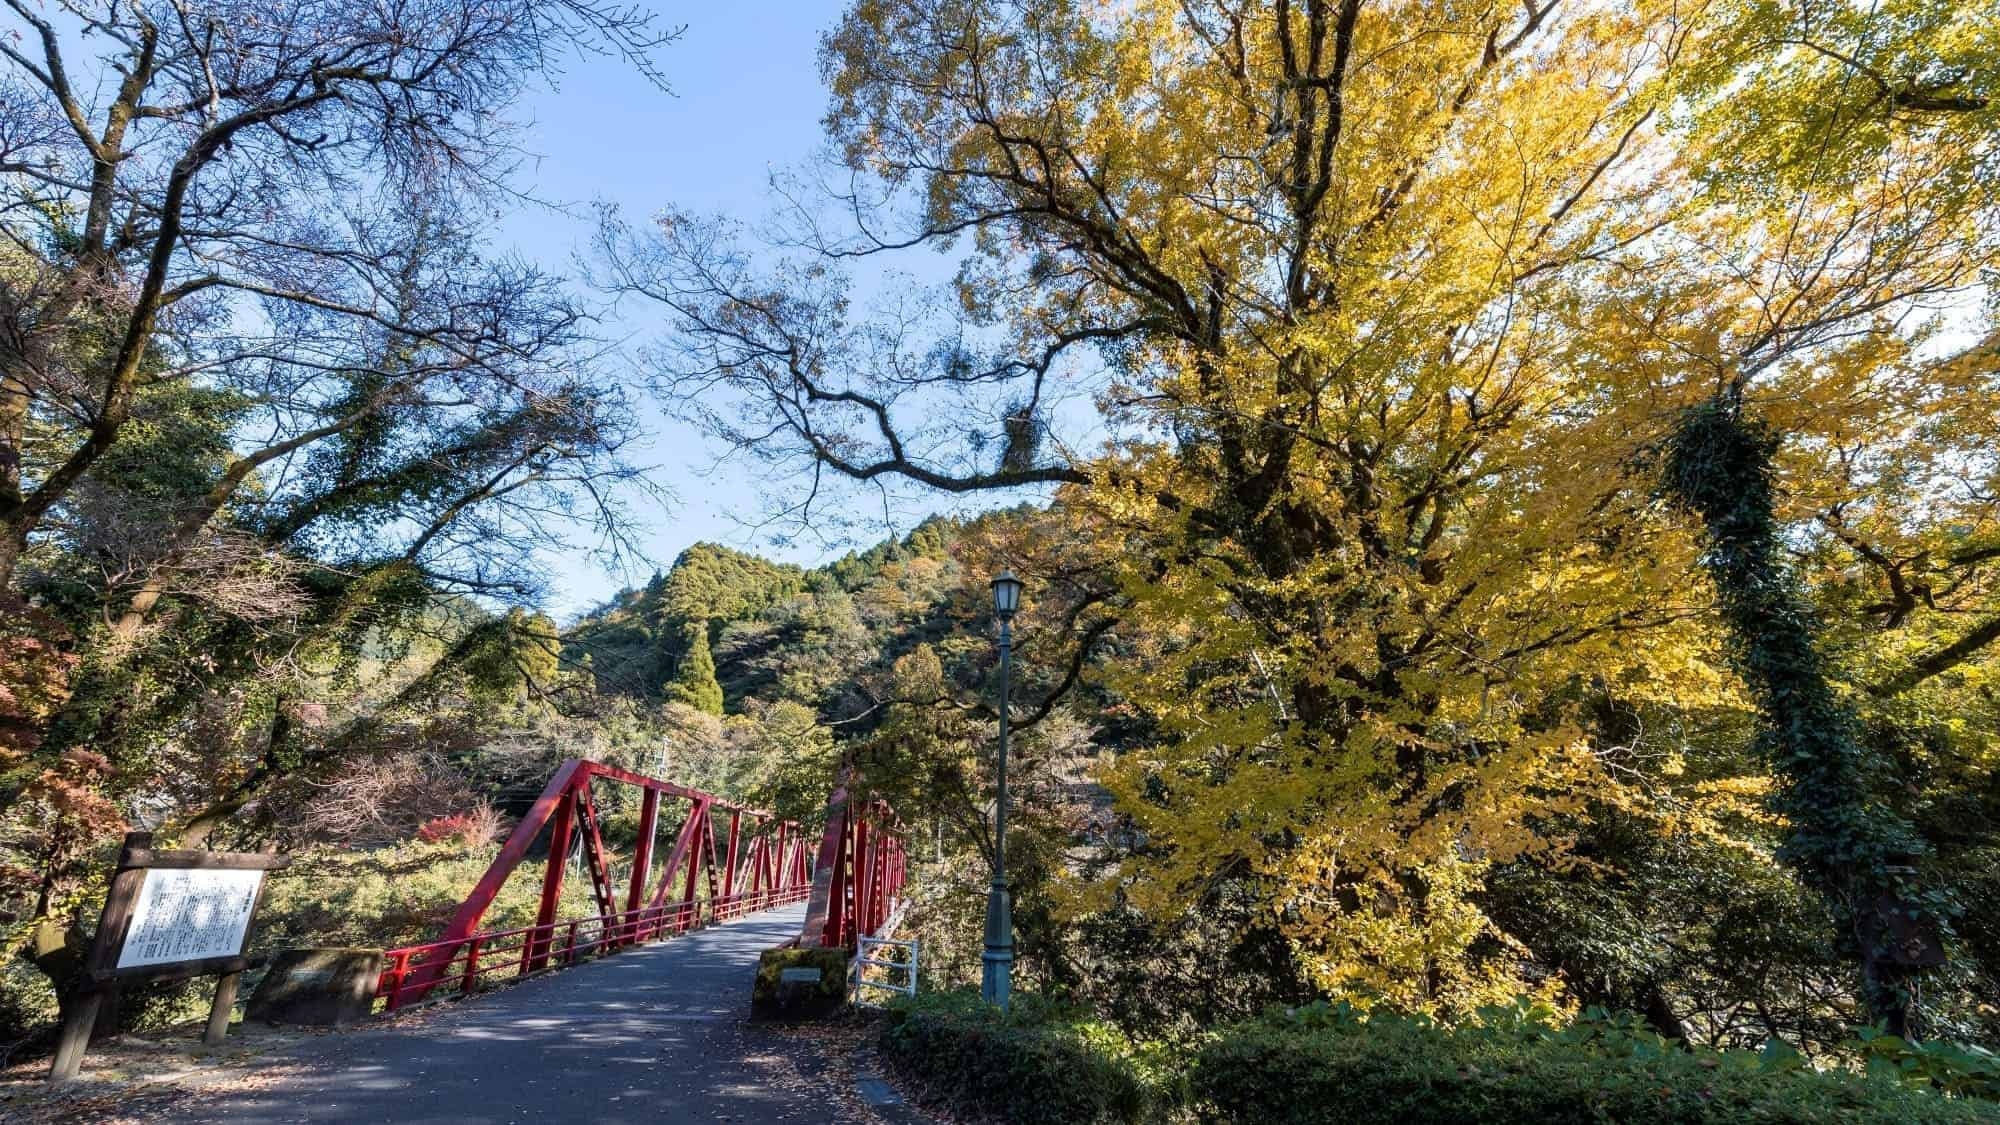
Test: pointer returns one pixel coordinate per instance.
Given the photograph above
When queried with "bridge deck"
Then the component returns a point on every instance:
(650, 1034)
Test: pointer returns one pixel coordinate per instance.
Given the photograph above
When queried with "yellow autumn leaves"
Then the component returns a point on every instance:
(1405, 295)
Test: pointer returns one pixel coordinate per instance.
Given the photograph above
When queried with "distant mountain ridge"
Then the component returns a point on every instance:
(776, 630)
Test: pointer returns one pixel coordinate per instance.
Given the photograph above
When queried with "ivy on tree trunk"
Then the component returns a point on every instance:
(1844, 843)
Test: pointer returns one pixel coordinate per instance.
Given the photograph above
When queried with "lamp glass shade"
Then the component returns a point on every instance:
(1006, 593)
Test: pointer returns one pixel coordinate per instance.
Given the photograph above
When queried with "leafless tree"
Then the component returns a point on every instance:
(223, 189)
(371, 802)
(773, 362)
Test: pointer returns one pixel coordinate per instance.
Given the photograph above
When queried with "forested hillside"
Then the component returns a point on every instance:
(881, 658)
(775, 632)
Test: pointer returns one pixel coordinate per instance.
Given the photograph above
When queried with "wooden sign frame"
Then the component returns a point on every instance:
(102, 976)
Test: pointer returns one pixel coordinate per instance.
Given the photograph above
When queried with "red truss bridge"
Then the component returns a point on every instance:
(858, 878)
(726, 861)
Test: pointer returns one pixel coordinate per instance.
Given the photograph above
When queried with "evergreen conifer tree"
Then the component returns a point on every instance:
(694, 682)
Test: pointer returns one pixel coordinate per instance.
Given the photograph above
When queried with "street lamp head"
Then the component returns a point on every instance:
(1006, 593)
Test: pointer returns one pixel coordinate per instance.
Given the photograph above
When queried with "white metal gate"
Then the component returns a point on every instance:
(865, 958)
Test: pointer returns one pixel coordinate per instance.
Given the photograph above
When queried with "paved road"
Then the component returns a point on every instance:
(652, 1034)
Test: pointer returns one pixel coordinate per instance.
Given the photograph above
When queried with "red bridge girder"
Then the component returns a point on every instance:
(769, 867)
(858, 878)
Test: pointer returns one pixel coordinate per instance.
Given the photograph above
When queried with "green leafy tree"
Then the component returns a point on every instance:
(798, 760)
(694, 683)
(922, 758)
(709, 582)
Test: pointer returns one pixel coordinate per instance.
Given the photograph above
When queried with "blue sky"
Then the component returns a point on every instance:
(746, 102)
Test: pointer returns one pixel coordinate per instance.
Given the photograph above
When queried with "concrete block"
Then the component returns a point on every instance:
(317, 987)
(799, 984)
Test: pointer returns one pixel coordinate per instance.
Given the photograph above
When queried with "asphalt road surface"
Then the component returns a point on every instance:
(654, 1034)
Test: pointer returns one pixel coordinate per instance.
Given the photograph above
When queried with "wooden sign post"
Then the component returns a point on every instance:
(168, 915)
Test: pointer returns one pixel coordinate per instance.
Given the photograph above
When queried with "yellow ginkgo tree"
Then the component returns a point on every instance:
(1354, 331)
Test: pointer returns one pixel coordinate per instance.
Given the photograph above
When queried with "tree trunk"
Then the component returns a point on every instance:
(1659, 1012)
(10, 554)
(1844, 841)
(58, 953)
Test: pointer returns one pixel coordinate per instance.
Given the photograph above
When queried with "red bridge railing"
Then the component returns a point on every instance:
(765, 862)
(469, 964)
(851, 881)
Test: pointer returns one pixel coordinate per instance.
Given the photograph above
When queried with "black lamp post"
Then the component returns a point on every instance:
(996, 979)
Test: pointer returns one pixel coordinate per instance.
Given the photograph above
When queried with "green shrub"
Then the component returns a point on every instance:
(1036, 1065)
(1964, 1071)
(1321, 1066)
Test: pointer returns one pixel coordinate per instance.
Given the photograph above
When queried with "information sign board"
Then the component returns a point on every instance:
(168, 915)
(189, 915)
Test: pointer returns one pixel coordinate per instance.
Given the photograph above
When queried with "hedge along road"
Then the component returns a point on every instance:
(652, 1034)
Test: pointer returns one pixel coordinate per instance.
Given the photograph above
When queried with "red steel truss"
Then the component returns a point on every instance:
(858, 878)
(764, 863)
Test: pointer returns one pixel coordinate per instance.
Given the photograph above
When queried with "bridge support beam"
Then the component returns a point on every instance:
(552, 882)
(642, 852)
